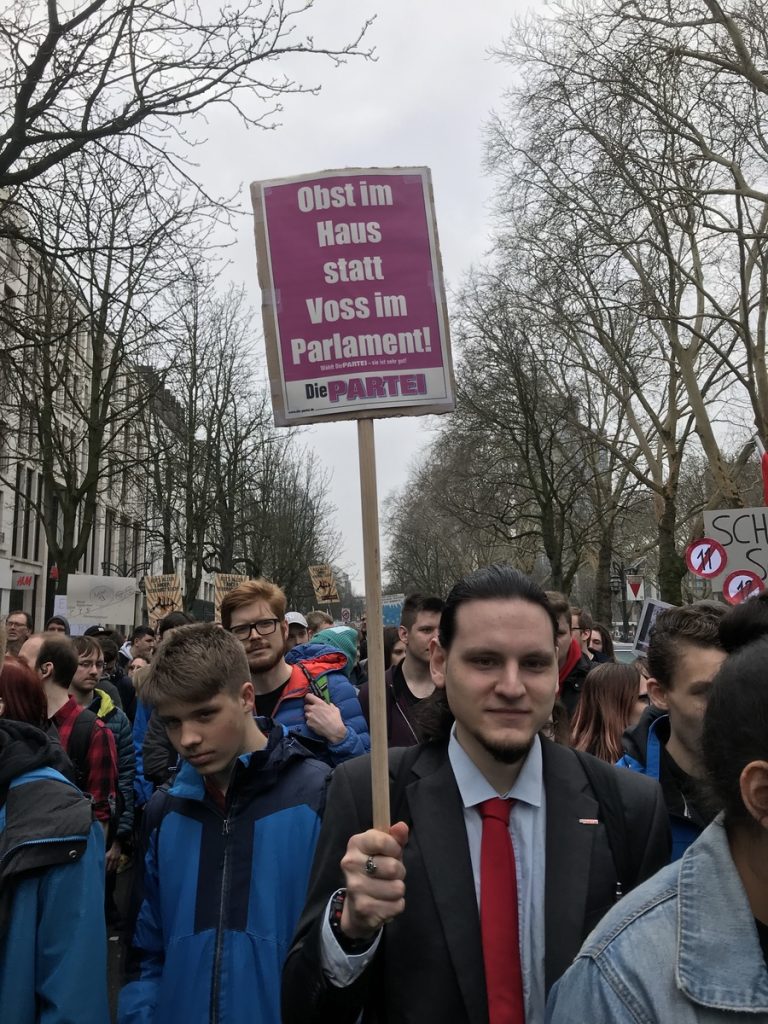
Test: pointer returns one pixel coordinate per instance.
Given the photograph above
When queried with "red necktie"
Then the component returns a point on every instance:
(498, 916)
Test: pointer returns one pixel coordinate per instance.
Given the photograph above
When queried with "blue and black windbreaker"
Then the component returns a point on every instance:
(222, 890)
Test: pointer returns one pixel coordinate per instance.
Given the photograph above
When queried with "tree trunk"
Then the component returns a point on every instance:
(672, 567)
(603, 610)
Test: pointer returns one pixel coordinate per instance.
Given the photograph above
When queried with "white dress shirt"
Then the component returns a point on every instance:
(527, 827)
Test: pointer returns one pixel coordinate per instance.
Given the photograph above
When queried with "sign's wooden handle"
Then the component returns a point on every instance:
(372, 563)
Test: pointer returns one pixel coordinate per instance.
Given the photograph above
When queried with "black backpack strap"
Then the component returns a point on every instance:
(604, 783)
(79, 744)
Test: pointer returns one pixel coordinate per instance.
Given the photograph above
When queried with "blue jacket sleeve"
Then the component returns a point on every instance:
(138, 998)
(71, 968)
(357, 741)
(142, 788)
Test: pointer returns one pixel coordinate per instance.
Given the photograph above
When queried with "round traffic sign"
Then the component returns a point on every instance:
(706, 558)
(742, 584)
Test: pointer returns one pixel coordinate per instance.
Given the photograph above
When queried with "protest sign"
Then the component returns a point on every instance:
(742, 534)
(740, 585)
(648, 614)
(98, 600)
(163, 596)
(323, 583)
(356, 327)
(392, 609)
(223, 582)
(706, 558)
(353, 300)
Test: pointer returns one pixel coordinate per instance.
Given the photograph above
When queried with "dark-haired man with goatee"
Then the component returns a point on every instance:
(499, 862)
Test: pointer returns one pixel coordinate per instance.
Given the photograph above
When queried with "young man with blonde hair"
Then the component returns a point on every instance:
(304, 689)
(229, 845)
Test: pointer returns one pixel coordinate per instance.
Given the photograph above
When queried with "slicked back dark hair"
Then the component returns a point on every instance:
(433, 717)
(415, 603)
(493, 583)
(697, 624)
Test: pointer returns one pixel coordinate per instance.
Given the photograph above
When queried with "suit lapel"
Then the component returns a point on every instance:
(438, 821)
(569, 852)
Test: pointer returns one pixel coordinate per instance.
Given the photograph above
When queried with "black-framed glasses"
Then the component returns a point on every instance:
(264, 627)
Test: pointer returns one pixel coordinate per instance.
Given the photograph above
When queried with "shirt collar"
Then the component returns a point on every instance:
(474, 787)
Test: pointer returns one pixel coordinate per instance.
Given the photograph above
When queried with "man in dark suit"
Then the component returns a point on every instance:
(409, 926)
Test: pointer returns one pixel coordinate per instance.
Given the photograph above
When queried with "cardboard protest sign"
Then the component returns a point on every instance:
(742, 535)
(353, 300)
(648, 614)
(163, 596)
(706, 558)
(323, 583)
(223, 582)
(392, 608)
(98, 600)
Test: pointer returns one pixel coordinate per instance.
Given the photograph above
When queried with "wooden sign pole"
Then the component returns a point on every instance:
(372, 562)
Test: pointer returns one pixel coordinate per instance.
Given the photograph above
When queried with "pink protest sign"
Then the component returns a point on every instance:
(353, 299)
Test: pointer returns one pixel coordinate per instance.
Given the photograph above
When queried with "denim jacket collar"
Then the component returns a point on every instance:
(719, 960)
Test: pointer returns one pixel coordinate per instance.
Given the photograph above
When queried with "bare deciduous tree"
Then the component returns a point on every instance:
(74, 75)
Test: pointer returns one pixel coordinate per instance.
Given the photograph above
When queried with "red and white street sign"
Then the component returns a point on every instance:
(635, 588)
(742, 584)
(706, 558)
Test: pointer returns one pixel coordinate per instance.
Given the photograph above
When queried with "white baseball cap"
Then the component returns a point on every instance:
(296, 618)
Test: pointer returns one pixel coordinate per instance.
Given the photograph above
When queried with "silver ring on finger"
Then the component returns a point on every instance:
(370, 866)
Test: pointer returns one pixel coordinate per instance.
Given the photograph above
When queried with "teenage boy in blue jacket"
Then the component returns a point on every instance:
(684, 654)
(229, 846)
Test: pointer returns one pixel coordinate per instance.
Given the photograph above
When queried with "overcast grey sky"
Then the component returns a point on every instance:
(422, 102)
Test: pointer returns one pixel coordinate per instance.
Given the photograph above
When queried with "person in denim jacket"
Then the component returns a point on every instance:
(691, 944)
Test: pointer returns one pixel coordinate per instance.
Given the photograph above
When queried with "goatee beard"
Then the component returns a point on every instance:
(506, 753)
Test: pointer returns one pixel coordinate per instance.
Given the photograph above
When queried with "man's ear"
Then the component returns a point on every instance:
(45, 671)
(402, 632)
(657, 694)
(753, 783)
(248, 697)
(437, 660)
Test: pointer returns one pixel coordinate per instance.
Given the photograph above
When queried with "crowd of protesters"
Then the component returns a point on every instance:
(574, 838)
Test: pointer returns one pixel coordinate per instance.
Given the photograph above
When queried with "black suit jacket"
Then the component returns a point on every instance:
(429, 965)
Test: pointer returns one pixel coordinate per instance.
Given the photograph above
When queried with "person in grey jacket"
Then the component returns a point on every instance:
(691, 944)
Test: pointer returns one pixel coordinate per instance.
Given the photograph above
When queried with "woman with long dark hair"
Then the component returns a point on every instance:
(601, 641)
(611, 701)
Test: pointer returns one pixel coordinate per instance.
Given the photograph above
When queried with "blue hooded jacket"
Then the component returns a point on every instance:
(222, 891)
(322, 667)
(53, 963)
(644, 757)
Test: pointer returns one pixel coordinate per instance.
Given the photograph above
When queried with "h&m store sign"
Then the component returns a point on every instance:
(23, 581)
